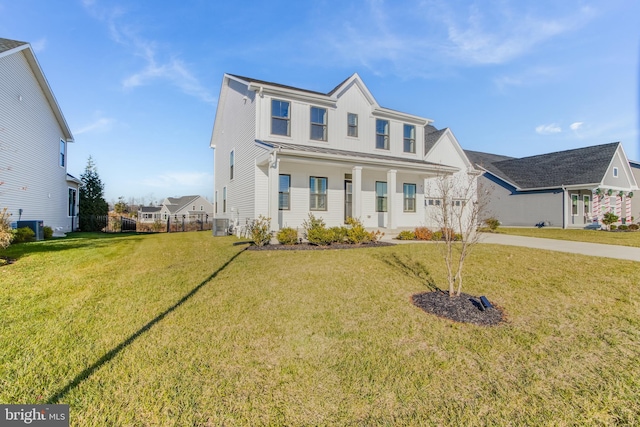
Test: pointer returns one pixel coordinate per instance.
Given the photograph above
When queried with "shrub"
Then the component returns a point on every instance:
(6, 234)
(316, 232)
(423, 233)
(448, 234)
(634, 227)
(157, 225)
(47, 232)
(623, 227)
(287, 236)
(437, 236)
(338, 234)
(260, 231)
(609, 218)
(613, 227)
(406, 235)
(491, 223)
(23, 234)
(356, 233)
(374, 236)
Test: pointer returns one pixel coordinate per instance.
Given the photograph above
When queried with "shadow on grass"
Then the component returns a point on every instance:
(411, 267)
(55, 398)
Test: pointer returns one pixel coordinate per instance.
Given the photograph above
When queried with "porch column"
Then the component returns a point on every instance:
(627, 204)
(595, 206)
(356, 189)
(391, 198)
(273, 193)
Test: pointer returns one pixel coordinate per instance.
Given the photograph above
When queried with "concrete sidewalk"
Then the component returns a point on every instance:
(592, 249)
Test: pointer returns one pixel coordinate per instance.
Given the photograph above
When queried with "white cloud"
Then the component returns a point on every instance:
(528, 77)
(548, 129)
(575, 126)
(100, 125)
(39, 45)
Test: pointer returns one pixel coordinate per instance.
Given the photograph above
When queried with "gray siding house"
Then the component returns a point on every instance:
(569, 189)
(34, 139)
(189, 208)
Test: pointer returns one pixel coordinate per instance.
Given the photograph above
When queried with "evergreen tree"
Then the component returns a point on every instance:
(92, 202)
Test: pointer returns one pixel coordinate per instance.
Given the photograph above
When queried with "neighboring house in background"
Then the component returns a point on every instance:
(189, 208)
(571, 188)
(284, 152)
(34, 138)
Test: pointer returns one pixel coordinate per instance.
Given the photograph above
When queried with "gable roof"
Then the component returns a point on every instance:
(174, 204)
(9, 47)
(432, 135)
(553, 170)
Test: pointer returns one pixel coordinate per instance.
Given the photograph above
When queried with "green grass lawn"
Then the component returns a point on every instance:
(577, 235)
(187, 329)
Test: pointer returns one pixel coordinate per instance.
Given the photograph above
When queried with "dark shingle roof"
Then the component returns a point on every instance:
(8, 44)
(432, 135)
(249, 79)
(553, 170)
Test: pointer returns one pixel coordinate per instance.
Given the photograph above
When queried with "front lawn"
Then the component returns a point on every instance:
(187, 329)
(623, 238)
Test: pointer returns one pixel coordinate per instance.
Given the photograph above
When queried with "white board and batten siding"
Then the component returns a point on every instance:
(30, 133)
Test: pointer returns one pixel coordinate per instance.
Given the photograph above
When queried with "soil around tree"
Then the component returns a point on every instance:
(464, 308)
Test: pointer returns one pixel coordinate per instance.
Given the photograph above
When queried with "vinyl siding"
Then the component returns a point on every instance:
(30, 134)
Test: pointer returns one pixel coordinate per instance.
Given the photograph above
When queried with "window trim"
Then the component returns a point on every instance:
(313, 125)
(287, 118)
(615, 172)
(410, 140)
(382, 200)
(385, 136)
(281, 206)
(318, 195)
(405, 199)
(353, 127)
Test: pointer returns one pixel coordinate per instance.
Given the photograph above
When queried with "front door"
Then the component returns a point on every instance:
(348, 198)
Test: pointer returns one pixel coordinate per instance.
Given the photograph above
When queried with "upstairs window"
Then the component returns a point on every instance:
(615, 172)
(318, 124)
(352, 124)
(382, 134)
(280, 117)
(284, 191)
(231, 164)
(409, 198)
(317, 194)
(409, 139)
(62, 152)
(381, 196)
(224, 199)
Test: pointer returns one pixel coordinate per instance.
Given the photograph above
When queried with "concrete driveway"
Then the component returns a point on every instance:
(593, 249)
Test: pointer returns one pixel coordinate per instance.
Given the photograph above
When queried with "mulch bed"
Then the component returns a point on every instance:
(6, 260)
(465, 308)
(310, 247)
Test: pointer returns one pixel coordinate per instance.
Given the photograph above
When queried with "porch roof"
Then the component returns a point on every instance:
(354, 157)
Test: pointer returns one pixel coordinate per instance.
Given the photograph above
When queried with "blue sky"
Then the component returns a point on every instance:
(138, 81)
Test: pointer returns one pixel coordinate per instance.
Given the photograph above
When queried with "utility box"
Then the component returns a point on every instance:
(220, 226)
(36, 226)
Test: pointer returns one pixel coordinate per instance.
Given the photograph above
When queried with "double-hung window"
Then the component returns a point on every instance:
(409, 197)
(224, 199)
(381, 196)
(382, 134)
(231, 164)
(352, 124)
(62, 152)
(280, 117)
(574, 204)
(319, 123)
(284, 191)
(409, 139)
(317, 193)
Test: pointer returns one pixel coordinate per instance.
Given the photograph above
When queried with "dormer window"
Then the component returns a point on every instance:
(352, 125)
(615, 172)
(280, 117)
(318, 124)
(382, 134)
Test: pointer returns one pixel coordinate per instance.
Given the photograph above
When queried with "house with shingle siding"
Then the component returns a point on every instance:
(34, 139)
(569, 189)
(285, 152)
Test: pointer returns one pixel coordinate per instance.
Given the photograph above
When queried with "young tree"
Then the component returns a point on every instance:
(457, 212)
(92, 202)
(5, 229)
(121, 206)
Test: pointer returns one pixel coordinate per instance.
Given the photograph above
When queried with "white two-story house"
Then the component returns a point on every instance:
(34, 141)
(284, 152)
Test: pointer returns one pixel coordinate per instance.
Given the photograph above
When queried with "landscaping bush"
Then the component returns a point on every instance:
(356, 233)
(338, 234)
(47, 232)
(623, 227)
(423, 233)
(634, 227)
(437, 236)
(260, 231)
(406, 235)
(610, 218)
(287, 236)
(613, 227)
(491, 223)
(6, 234)
(23, 234)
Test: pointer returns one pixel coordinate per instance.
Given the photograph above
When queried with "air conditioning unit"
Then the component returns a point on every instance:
(36, 226)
